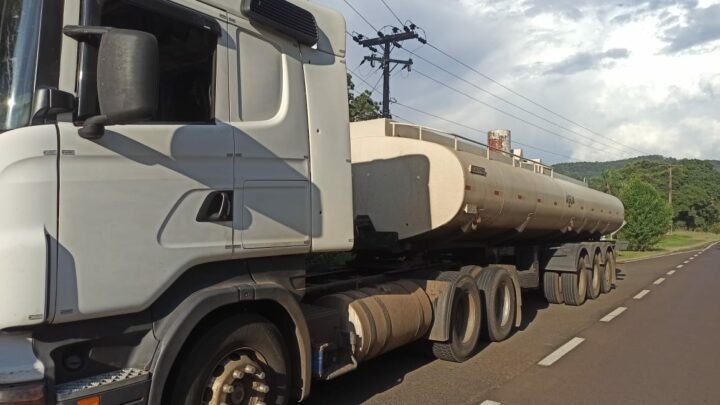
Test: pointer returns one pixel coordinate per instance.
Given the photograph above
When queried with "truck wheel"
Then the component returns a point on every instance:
(606, 284)
(574, 285)
(498, 292)
(465, 319)
(595, 279)
(552, 287)
(241, 360)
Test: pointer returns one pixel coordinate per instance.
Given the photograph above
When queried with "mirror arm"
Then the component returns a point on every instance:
(85, 34)
(94, 127)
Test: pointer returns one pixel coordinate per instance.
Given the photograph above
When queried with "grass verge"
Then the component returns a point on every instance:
(678, 241)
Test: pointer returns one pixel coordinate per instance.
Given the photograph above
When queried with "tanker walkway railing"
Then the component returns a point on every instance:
(423, 133)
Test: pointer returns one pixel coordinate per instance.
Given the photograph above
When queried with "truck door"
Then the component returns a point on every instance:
(269, 114)
(131, 203)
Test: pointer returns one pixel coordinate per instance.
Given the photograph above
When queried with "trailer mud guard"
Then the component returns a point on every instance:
(564, 258)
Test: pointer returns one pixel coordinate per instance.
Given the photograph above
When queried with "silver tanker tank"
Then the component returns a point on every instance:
(445, 190)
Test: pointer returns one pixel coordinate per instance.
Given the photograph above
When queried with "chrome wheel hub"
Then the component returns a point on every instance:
(237, 380)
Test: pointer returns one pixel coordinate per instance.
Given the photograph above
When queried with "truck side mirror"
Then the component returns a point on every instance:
(127, 77)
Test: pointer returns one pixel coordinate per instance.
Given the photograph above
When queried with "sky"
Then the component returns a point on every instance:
(639, 77)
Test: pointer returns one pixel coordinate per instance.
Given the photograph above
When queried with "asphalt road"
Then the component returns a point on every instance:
(663, 348)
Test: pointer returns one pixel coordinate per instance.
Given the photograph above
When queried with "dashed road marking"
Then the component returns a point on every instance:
(686, 262)
(641, 294)
(559, 353)
(671, 272)
(692, 258)
(489, 402)
(680, 266)
(612, 315)
(659, 281)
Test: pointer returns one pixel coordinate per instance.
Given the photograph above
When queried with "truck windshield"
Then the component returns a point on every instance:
(19, 31)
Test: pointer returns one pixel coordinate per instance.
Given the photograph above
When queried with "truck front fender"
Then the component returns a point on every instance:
(174, 329)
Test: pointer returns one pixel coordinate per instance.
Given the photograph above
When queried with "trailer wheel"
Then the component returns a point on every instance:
(465, 319)
(498, 292)
(606, 284)
(574, 285)
(552, 286)
(241, 360)
(595, 279)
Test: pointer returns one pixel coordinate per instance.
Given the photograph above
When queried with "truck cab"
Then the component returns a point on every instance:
(141, 141)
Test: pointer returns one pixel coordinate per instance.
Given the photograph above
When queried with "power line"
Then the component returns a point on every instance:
(455, 59)
(361, 16)
(516, 105)
(406, 120)
(481, 131)
(374, 87)
(459, 124)
(522, 96)
(393, 13)
(505, 112)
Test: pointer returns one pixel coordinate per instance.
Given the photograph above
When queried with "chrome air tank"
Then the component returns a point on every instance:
(441, 189)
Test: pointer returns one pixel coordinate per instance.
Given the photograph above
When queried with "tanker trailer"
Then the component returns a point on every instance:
(420, 192)
(459, 229)
(441, 191)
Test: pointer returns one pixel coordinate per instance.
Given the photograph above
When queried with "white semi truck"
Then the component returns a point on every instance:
(170, 171)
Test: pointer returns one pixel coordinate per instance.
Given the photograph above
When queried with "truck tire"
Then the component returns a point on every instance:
(574, 285)
(595, 279)
(498, 293)
(552, 286)
(239, 360)
(465, 319)
(608, 273)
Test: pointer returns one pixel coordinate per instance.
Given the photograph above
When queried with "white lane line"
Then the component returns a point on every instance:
(686, 262)
(671, 272)
(641, 294)
(489, 402)
(680, 266)
(692, 258)
(612, 315)
(563, 350)
(659, 281)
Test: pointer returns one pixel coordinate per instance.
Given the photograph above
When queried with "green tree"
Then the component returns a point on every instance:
(696, 187)
(362, 106)
(647, 214)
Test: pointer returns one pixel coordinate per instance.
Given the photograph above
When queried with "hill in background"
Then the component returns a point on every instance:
(588, 170)
(696, 184)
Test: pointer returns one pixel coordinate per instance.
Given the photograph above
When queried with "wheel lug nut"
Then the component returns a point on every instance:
(238, 375)
(260, 387)
(260, 403)
(228, 389)
(250, 369)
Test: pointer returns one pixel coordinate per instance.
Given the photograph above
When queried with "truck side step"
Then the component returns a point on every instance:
(126, 386)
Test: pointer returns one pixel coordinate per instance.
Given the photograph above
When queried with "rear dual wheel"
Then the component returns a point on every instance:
(465, 319)
(608, 273)
(552, 287)
(575, 285)
(595, 278)
(498, 292)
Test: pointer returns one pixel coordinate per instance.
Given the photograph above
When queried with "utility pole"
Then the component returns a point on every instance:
(387, 41)
(670, 191)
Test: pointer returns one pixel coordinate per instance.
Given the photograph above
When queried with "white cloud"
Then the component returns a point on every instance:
(642, 73)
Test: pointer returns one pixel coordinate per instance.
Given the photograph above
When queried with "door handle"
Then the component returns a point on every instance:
(217, 207)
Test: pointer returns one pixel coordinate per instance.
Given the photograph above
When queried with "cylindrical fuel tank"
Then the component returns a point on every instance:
(383, 317)
(436, 188)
